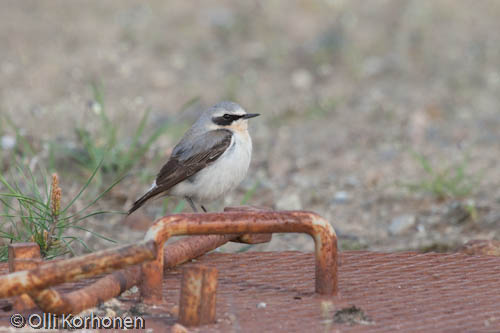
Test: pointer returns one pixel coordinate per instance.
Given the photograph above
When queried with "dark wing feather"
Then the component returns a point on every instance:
(139, 202)
(187, 160)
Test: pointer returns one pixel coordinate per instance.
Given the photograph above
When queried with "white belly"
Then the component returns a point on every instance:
(222, 176)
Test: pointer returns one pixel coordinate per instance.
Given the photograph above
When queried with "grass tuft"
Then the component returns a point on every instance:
(118, 154)
(250, 193)
(12, 146)
(34, 213)
(451, 182)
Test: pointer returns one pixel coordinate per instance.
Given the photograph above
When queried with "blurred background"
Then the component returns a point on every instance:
(381, 116)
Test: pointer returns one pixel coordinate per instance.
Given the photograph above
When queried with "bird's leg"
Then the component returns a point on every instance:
(191, 203)
(204, 209)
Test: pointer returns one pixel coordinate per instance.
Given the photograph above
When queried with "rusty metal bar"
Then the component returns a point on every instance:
(152, 275)
(109, 286)
(23, 256)
(242, 222)
(51, 274)
(192, 247)
(18, 252)
(250, 238)
(189, 248)
(197, 298)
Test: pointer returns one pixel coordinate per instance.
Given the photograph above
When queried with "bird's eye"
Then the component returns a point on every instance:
(227, 116)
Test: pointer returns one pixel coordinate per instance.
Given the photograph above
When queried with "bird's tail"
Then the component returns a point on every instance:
(139, 202)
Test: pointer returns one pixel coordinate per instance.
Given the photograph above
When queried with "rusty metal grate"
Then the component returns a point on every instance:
(263, 291)
(407, 292)
(410, 292)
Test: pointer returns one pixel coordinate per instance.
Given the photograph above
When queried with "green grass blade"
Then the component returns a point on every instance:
(68, 245)
(190, 102)
(84, 187)
(424, 163)
(6, 184)
(250, 193)
(75, 221)
(23, 198)
(99, 196)
(93, 233)
(140, 128)
(19, 137)
(180, 207)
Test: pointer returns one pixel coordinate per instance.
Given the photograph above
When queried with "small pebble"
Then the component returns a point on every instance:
(401, 224)
(302, 79)
(178, 328)
(95, 106)
(352, 181)
(7, 142)
(289, 202)
(341, 197)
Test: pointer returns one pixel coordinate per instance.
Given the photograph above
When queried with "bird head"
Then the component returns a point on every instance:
(230, 116)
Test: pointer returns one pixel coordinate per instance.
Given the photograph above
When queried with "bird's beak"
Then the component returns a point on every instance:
(251, 115)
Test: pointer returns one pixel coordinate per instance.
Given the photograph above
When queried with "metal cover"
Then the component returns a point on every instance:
(410, 292)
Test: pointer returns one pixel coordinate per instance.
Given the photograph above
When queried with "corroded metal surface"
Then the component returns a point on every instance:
(114, 284)
(23, 256)
(398, 292)
(53, 273)
(250, 238)
(192, 247)
(239, 224)
(197, 299)
(245, 222)
(482, 247)
(91, 295)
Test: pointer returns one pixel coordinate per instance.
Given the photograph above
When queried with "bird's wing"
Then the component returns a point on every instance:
(188, 157)
(191, 156)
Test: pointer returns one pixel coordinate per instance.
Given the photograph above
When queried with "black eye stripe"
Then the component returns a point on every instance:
(232, 116)
(226, 119)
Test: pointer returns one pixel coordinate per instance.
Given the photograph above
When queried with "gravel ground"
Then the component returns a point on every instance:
(348, 90)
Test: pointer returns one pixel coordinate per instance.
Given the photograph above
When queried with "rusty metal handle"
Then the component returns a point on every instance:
(245, 222)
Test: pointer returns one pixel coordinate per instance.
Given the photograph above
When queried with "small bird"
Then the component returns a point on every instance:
(211, 159)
